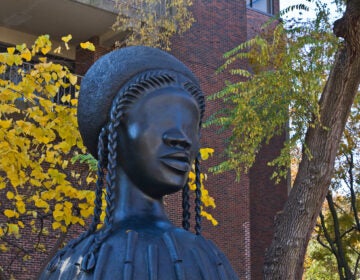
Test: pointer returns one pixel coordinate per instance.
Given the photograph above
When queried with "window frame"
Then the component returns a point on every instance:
(269, 6)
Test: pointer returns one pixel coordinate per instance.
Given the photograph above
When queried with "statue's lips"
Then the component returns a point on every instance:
(178, 161)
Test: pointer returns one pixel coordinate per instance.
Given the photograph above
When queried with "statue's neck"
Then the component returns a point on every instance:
(132, 205)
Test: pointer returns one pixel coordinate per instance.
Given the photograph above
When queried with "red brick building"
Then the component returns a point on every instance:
(246, 209)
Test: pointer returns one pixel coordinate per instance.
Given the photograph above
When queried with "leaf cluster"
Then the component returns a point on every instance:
(277, 78)
(335, 244)
(38, 133)
(152, 22)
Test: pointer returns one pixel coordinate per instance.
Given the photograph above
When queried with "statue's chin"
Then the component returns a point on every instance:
(160, 190)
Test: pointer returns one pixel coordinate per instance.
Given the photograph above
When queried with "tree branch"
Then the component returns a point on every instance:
(343, 265)
(356, 265)
(350, 161)
(322, 243)
(327, 236)
(347, 231)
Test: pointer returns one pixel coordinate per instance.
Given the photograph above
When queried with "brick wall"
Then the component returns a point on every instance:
(245, 209)
(266, 198)
(219, 27)
(85, 58)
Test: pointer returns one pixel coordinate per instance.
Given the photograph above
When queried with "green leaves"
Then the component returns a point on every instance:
(278, 89)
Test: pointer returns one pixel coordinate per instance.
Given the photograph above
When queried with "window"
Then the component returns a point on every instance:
(266, 6)
(13, 74)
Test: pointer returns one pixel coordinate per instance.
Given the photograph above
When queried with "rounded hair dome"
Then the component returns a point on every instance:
(108, 75)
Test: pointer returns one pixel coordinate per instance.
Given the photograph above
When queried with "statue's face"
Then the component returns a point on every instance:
(159, 140)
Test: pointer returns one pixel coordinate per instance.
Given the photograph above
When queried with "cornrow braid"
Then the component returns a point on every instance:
(186, 207)
(199, 97)
(143, 83)
(197, 196)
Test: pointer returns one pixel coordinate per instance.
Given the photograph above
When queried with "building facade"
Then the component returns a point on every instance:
(245, 209)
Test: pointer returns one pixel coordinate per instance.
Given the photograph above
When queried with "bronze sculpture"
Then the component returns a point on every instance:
(140, 112)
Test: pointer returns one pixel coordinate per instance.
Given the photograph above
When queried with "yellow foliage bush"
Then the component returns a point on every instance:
(38, 136)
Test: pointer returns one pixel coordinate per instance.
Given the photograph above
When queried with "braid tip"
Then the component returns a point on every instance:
(88, 263)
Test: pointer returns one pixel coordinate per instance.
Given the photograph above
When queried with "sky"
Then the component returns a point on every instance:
(286, 3)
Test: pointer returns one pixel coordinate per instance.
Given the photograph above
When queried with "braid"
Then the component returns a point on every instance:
(89, 260)
(111, 175)
(199, 97)
(98, 192)
(197, 197)
(186, 206)
(99, 182)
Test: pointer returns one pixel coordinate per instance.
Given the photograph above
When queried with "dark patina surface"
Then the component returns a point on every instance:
(140, 112)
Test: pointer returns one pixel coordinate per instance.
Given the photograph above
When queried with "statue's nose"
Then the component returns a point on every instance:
(176, 138)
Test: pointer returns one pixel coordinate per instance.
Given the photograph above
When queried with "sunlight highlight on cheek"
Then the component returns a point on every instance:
(134, 131)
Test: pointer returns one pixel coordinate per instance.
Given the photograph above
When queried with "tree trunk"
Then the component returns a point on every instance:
(293, 227)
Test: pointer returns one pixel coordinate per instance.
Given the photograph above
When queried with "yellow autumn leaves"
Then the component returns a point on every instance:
(206, 199)
(38, 137)
(63, 214)
(205, 153)
(66, 39)
(151, 22)
(87, 46)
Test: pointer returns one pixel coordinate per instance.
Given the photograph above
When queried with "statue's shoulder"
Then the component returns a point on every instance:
(130, 254)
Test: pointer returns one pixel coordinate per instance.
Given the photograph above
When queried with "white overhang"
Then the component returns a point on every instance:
(21, 20)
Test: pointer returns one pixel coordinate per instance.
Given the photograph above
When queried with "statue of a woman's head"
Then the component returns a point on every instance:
(123, 76)
(139, 114)
(140, 108)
